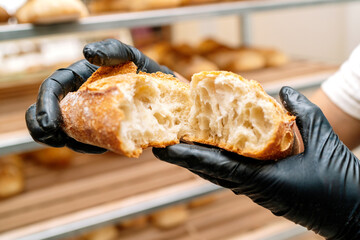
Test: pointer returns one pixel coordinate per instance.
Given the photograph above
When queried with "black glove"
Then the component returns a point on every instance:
(44, 119)
(319, 188)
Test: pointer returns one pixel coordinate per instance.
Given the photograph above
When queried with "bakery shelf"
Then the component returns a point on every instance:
(94, 190)
(98, 190)
(14, 100)
(153, 17)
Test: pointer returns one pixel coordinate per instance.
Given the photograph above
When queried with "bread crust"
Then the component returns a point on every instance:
(91, 115)
(270, 152)
(48, 12)
(4, 16)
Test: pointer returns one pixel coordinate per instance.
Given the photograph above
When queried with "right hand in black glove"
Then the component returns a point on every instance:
(44, 119)
(319, 188)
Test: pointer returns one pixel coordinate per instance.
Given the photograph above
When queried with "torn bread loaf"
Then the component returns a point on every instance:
(126, 112)
(237, 115)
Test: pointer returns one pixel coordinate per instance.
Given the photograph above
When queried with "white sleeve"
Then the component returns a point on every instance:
(343, 88)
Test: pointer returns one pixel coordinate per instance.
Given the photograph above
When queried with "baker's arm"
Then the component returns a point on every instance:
(344, 125)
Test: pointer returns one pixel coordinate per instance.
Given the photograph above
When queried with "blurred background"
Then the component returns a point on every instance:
(48, 193)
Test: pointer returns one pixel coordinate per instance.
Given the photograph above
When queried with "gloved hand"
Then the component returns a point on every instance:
(319, 188)
(44, 119)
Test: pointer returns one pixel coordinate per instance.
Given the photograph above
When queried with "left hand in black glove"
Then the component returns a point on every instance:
(319, 188)
(44, 118)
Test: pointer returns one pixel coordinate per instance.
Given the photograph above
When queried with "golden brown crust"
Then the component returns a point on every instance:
(48, 12)
(11, 176)
(139, 5)
(91, 115)
(4, 16)
(108, 71)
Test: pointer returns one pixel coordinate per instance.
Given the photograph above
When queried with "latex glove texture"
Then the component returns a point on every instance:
(44, 118)
(319, 188)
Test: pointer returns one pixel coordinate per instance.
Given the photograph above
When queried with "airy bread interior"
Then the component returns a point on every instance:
(125, 111)
(154, 112)
(235, 114)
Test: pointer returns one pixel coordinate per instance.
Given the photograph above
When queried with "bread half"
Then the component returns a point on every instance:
(125, 112)
(237, 115)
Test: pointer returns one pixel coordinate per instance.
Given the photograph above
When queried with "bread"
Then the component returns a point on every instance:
(240, 59)
(179, 58)
(273, 58)
(209, 45)
(125, 112)
(192, 2)
(11, 176)
(237, 60)
(52, 157)
(104, 233)
(99, 6)
(139, 5)
(202, 201)
(159, 52)
(246, 60)
(4, 16)
(49, 11)
(237, 115)
(190, 65)
(170, 217)
(137, 222)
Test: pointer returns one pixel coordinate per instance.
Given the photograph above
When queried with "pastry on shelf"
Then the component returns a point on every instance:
(273, 57)
(237, 60)
(158, 52)
(193, 2)
(170, 217)
(4, 16)
(100, 6)
(52, 157)
(139, 5)
(241, 58)
(180, 58)
(11, 176)
(134, 223)
(49, 11)
(208, 46)
(246, 60)
(104, 233)
(202, 201)
(188, 66)
(231, 59)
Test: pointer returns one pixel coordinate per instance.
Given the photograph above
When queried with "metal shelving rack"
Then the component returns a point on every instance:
(134, 19)
(153, 17)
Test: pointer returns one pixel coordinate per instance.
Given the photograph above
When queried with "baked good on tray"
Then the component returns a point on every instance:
(49, 11)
